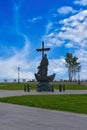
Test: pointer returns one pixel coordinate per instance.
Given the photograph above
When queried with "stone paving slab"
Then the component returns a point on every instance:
(15, 117)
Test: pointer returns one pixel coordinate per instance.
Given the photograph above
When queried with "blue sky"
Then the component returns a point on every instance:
(24, 24)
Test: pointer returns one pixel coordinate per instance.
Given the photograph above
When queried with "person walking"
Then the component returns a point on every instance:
(60, 88)
(63, 87)
(28, 88)
(25, 88)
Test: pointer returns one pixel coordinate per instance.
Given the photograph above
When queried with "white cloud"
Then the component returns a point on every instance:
(73, 29)
(80, 17)
(66, 10)
(70, 32)
(35, 19)
(80, 2)
(9, 66)
(49, 27)
(82, 55)
(57, 66)
(52, 39)
(69, 45)
(54, 15)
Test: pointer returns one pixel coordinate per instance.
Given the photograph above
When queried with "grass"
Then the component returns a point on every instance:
(11, 86)
(15, 86)
(20, 86)
(70, 103)
(72, 87)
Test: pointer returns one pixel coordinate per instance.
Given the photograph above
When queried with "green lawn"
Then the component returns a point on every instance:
(20, 86)
(71, 103)
(15, 86)
(11, 86)
(72, 87)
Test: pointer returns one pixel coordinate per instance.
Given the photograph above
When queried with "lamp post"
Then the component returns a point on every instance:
(18, 74)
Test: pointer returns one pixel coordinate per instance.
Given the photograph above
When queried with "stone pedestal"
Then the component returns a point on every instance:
(44, 86)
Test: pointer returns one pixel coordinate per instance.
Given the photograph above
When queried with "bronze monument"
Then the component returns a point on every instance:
(41, 76)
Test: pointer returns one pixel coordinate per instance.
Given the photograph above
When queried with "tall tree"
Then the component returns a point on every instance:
(78, 70)
(73, 65)
(68, 60)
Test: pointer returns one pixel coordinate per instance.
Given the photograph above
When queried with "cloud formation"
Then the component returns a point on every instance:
(35, 19)
(65, 27)
(66, 10)
(72, 29)
(71, 32)
(80, 2)
(19, 59)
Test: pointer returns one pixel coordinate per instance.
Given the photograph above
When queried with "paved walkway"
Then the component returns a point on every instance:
(7, 93)
(15, 117)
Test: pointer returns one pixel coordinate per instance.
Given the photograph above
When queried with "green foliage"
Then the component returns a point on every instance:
(71, 103)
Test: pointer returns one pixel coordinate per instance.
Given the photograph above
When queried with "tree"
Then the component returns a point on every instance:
(68, 60)
(78, 70)
(73, 66)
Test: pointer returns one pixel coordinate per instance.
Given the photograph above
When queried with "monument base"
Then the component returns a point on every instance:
(44, 86)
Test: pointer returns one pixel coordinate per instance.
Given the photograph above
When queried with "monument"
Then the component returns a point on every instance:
(41, 76)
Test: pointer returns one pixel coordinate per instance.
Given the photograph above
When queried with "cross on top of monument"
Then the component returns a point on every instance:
(43, 49)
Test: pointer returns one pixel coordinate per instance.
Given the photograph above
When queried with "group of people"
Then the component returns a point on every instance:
(61, 87)
(26, 88)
